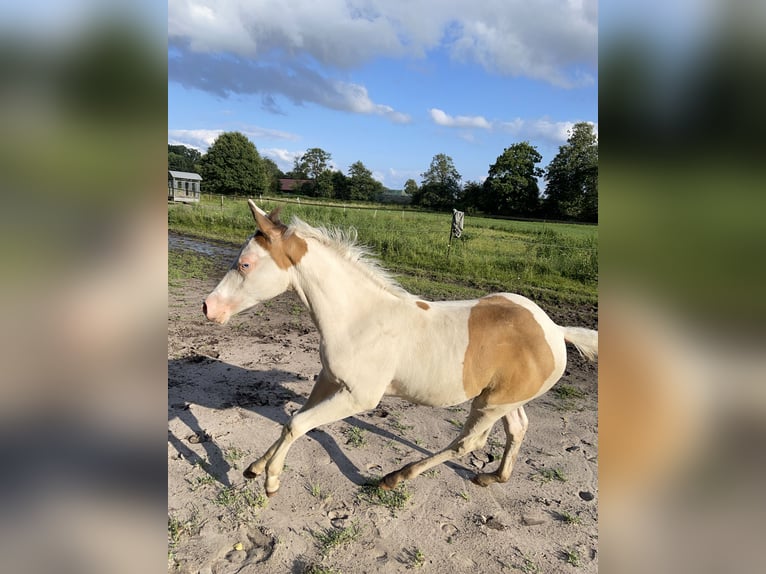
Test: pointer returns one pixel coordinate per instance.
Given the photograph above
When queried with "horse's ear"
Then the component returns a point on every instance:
(274, 215)
(262, 219)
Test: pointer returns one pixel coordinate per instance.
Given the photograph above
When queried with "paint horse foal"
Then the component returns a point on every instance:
(376, 339)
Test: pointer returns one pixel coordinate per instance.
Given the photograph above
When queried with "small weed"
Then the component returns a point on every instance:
(549, 474)
(528, 567)
(396, 424)
(416, 558)
(332, 538)
(233, 454)
(177, 528)
(200, 481)
(355, 436)
(240, 500)
(433, 473)
(392, 499)
(314, 489)
(567, 392)
(455, 423)
(569, 518)
(319, 569)
(296, 310)
(464, 495)
(572, 557)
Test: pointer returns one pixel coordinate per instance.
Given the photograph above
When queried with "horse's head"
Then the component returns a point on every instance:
(260, 272)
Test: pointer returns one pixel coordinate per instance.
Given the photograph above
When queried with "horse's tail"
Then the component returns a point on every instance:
(584, 340)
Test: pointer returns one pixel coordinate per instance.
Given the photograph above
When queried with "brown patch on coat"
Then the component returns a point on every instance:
(285, 251)
(507, 354)
(423, 305)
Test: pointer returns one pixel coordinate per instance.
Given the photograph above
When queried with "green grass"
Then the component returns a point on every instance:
(394, 500)
(549, 474)
(331, 539)
(183, 265)
(572, 557)
(553, 261)
(355, 436)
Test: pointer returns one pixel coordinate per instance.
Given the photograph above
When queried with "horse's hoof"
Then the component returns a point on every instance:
(483, 479)
(249, 473)
(389, 482)
(270, 494)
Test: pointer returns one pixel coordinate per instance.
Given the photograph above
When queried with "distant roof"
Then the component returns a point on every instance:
(184, 175)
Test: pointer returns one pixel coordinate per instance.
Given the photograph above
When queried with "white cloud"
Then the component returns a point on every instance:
(197, 139)
(551, 40)
(440, 117)
(284, 159)
(539, 129)
(545, 129)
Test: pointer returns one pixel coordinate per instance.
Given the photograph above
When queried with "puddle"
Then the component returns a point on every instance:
(178, 242)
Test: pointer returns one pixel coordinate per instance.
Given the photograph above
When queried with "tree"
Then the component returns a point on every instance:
(511, 186)
(182, 158)
(472, 197)
(232, 166)
(440, 186)
(340, 187)
(410, 187)
(361, 184)
(310, 165)
(273, 174)
(572, 176)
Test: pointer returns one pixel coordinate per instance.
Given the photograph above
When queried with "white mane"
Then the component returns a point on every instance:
(344, 243)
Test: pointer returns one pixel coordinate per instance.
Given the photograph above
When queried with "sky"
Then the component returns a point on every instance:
(390, 83)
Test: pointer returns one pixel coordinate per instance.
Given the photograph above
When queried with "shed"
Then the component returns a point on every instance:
(183, 186)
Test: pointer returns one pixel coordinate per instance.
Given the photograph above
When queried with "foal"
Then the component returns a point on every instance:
(376, 339)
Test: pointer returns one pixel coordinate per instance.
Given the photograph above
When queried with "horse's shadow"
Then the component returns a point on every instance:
(211, 383)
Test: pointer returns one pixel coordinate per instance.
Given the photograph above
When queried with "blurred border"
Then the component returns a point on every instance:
(682, 402)
(83, 105)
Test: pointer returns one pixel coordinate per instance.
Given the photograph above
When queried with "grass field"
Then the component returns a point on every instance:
(546, 261)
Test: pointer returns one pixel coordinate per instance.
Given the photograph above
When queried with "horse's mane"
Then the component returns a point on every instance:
(345, 243)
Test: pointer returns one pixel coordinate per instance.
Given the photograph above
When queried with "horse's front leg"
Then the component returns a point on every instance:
(323, 388)
(339, 405)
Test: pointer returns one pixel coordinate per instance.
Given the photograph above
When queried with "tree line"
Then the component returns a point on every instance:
(232, 165)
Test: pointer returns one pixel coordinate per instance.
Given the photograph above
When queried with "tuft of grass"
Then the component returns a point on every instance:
(178, 528)
(241, 501)
(396, 424)
(416, 557)
(528, 567)
(315, 490)
(572, 556)
(394, 499)
(464, 495)
(455, 423)
(569, 518)
(319, 569)
(331, 539)
(233, 455)
(355, 436)
(549, 474)
(564, 391)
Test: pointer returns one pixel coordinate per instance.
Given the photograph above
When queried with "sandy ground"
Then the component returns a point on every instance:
(231, 388)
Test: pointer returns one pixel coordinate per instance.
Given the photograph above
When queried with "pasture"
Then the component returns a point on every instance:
(553, 262)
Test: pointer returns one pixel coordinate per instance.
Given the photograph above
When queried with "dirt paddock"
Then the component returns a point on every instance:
(231, 388)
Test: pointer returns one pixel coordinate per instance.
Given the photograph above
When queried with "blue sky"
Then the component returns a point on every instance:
(386, 82)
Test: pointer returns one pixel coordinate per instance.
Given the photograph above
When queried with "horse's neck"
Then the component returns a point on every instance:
(335, 290)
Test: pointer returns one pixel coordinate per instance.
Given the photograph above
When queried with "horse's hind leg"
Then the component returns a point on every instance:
(473, 436)
(515, 424)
